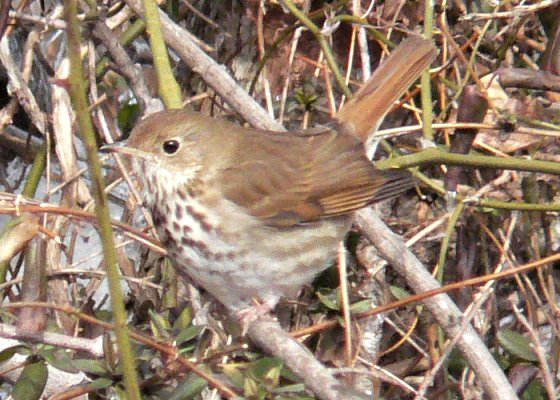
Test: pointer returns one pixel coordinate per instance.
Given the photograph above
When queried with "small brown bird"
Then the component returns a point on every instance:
(250, 215)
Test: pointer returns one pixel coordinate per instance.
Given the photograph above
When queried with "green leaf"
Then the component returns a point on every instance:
(361, 306)
(160, 325)
(267, 370)
(251, 389)
(169, 281)
(535, 391)
(9, 352)
(456, 361)
(329, 298)
(289, 389)
(191, 387)
(300, 96)
(398, 292)
(234, 373)
(184, 320)
(101, 383)
(306, 97)
(104, 315)
(188, 334)
(127, 116)
(31, 382)
(59, 360)
(516, 344)
(89, 366)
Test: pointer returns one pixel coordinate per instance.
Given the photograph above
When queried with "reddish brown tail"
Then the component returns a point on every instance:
(366, 110)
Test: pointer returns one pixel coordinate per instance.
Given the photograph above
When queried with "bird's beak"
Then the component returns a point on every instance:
(121, 148)
(116, 147)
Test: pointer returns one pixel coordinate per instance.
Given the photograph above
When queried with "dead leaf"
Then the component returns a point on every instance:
(19, 236)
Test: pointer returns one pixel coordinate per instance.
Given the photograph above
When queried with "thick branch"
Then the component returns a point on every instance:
(448, 315)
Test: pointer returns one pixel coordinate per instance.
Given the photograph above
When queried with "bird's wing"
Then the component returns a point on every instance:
(287, 179)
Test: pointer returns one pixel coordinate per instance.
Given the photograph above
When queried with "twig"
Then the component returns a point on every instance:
(269, 336)
(516, 12)
(293, 48)
(4, 11)
(539, 352)
(88, 272)
(94, 347)
(262, 54)
(345, 302)
(44, 22)
(78, 95)
(62, 119)
(528, 79)
(165, 348)
(145, 100)
(362, 39)
(444, 310)
(20, 88)
(203, 17)
(214, 74)
(430, 376)
(403, 130)
(322, 42)
(470, 313)
(39, 161)
(26, 205)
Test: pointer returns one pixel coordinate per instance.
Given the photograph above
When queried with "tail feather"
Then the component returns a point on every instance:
(366, 110)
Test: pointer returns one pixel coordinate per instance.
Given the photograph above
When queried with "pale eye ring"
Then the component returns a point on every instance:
(170, 147)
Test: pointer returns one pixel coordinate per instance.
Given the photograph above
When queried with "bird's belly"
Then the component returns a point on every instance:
(239, 260)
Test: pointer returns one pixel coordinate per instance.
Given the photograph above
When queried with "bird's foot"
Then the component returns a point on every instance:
(250, 314)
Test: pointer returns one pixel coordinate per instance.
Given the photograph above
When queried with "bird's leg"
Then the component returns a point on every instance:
(251, 313)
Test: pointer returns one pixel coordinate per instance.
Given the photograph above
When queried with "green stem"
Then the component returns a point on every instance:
(533, 121)
(508, 205)
(438, 156)
(79, 101)
(168, 88)
(425, 79)
(433, 156)
(29, 190)
(453, 219)
(126, 38)
(36, 172)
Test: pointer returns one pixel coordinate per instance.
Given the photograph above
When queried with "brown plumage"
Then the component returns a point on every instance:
(253, 215)
(367, 108)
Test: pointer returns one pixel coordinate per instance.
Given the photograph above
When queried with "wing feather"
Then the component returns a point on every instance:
(295, 178)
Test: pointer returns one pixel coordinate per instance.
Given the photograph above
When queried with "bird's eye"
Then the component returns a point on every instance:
(171, 146)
